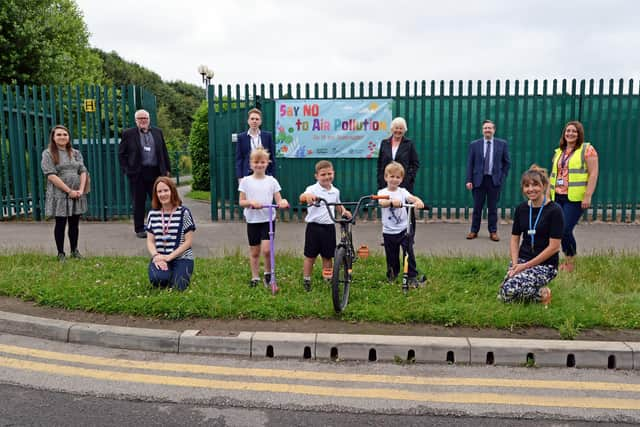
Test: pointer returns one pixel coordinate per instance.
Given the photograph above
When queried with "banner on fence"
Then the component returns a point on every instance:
(331, 127)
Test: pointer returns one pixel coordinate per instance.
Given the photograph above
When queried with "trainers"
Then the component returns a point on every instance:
(307, 285)
(62, 257)
(76, 254)
(253, 283)
(418, 281)
(545, 295)
(391, 277)
(267, 280)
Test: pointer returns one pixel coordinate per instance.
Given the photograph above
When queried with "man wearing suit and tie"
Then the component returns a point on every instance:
(251, 139)
(487, 167)
(143, 157)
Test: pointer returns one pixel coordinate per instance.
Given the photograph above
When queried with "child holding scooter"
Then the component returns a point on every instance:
(395, 220)
(256, 191)
(320, 233)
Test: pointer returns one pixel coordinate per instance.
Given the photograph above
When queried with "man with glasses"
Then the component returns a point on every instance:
(143, 158)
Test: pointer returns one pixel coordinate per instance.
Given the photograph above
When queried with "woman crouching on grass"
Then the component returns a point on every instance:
(534, 263)
(170, 228)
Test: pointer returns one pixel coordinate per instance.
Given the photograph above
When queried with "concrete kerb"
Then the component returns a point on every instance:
(437, 350)
(578, 354)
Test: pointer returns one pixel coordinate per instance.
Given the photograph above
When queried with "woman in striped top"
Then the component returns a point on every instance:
(170, 228)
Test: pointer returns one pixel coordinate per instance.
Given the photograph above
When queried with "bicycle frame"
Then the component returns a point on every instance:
(345, 253)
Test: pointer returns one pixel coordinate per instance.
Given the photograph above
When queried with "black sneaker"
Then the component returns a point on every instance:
(76, 254)
(141, 234)
(418, 281)
(253, 283)
(62, 257)
(391, 277)
(307, 285)
(267, 280)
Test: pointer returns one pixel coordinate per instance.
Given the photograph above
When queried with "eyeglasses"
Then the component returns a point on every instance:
(142, 118)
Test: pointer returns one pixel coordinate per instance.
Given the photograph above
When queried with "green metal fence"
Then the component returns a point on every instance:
(95, 117)
(443, 117)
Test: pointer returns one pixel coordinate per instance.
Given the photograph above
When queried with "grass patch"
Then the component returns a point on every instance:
(604, 292)
(198, 195)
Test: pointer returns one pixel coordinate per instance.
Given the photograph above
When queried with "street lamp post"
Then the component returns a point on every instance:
(207, 75)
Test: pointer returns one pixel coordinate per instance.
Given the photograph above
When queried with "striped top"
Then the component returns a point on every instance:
(169, 229)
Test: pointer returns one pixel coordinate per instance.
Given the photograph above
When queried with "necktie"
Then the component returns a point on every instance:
(487, 159)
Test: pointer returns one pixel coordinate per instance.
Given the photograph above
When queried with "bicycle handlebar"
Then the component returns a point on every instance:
(358, 204)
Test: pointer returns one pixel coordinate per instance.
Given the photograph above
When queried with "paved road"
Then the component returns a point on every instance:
(218, 238)
(172, 381)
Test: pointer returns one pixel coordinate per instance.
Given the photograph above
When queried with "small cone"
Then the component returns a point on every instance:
(363, 252)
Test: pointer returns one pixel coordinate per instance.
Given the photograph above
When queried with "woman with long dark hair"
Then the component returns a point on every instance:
(67, 179)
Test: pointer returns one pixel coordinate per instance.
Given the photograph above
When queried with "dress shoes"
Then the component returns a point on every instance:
(472, 235)
(494, 237)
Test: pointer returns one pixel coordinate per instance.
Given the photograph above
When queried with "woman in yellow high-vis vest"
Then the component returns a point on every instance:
(574, 175)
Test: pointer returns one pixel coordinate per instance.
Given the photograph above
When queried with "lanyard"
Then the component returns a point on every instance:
(532, 230)
(165, 226)
(563, 160)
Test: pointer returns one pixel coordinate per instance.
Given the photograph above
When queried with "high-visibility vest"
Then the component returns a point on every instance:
(577, 177)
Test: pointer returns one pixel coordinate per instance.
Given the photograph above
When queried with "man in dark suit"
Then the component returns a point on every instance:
(251, 139)
(487, 166)
(143, 158)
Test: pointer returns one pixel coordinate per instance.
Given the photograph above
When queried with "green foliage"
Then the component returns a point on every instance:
(177, 101)
(199, 148)
(45, 42)
(452, 296)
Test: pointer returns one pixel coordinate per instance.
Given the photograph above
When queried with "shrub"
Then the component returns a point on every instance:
(199, 148)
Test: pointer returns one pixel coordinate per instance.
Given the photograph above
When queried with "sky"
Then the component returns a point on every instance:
(291, 41)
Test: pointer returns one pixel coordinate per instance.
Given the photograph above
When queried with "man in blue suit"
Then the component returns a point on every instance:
(251, 139)
(487, 166)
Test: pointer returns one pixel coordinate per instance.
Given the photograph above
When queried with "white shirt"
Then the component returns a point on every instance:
(262, 191)
(394, 220)
(319, 214)
(256, 141)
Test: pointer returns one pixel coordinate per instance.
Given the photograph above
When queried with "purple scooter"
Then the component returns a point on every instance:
(272, 248)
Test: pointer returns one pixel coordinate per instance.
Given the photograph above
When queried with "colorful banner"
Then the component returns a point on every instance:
(331, 127)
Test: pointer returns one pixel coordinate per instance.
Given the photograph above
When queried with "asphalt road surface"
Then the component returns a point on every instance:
(53, 383)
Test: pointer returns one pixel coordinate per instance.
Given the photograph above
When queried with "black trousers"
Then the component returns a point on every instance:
(392, 245)
(141, 187)
(491, 193)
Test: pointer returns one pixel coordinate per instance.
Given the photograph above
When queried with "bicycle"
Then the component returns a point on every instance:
(345, 254)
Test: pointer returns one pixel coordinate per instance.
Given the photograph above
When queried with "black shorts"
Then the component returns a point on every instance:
(258, 232)
(319, 239)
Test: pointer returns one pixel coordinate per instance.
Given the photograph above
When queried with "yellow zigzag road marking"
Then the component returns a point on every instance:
(319, 376)
(368, 393)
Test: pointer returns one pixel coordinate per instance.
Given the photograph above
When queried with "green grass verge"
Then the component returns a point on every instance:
(604, 292)
(199, 195)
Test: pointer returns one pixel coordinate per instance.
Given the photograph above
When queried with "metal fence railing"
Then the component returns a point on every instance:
(443, 117)
(95, 116)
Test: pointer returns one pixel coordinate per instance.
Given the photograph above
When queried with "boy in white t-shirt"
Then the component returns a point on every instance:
(256, 190)
(394, 224)
(320, 234)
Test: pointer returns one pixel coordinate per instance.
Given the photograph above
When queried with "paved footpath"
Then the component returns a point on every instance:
(219, 238)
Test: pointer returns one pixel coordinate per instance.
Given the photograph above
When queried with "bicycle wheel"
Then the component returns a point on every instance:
(340, 280)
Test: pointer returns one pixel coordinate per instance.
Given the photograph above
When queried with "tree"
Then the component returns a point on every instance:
(199, 148)
(45, 42)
